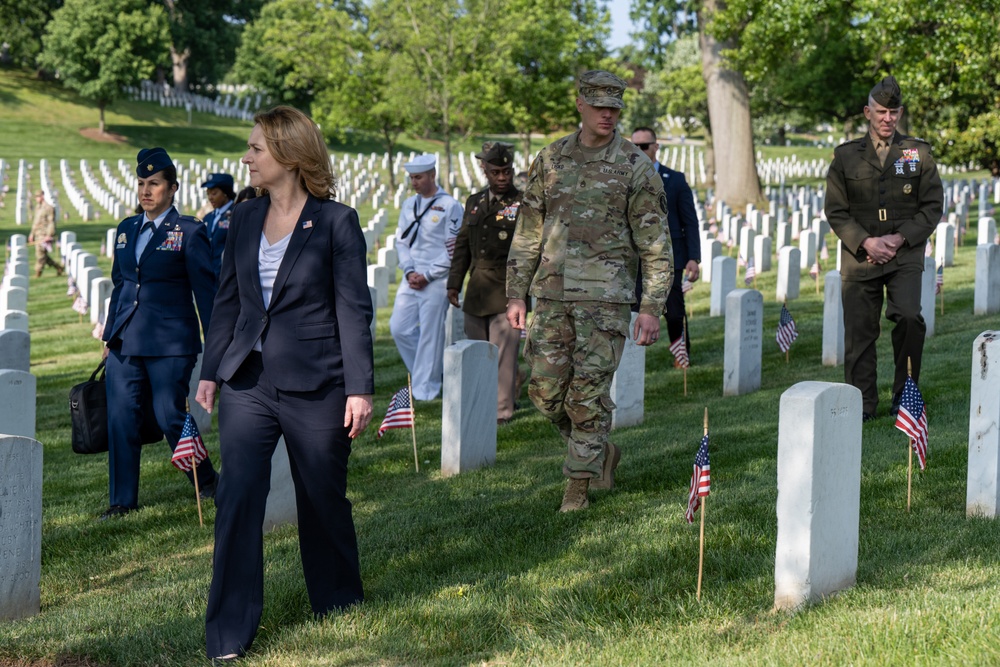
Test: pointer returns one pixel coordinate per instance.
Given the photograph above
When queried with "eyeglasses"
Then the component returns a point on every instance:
(645, 145)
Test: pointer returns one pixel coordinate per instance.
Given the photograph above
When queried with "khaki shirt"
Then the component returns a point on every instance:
(586, 219)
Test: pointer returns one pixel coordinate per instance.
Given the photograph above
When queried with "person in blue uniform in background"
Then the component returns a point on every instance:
(220, 195)
(152, 335)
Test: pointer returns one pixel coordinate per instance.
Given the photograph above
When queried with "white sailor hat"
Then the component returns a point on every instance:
(420, 164)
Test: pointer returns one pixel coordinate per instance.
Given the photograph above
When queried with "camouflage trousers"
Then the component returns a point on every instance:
(42, 259)
(574, 348)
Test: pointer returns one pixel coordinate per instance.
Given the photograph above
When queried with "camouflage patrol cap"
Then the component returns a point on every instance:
(887, 93)
(601, 89)
(497, 153)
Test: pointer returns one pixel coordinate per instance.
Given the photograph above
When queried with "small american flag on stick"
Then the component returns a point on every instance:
(701, 480)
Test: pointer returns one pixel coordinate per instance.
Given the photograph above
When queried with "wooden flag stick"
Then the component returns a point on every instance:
(909, 476)
(909, 448)
(413, 422)
(685, 381)
(942, 296)
(701, 535)
(197, 491)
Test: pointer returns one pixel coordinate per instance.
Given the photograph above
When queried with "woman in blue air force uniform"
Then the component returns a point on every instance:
(291, 346)
(151, 334)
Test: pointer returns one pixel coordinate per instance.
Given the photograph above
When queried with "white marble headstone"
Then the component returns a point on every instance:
(17, 402)
(986, 298)
(833, 320)
(723, 282)
(469, 407)
(710, 249)
(13, 298)
(944, 244)
(819, 492)
(628, 386)
(743, 342)
(16, 320)
(20, 526)
(15, 350)
(789, 274)
(928, 297)
(378, 277)
(983, 488)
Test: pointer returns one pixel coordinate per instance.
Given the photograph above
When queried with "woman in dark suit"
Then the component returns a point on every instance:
(290, 344)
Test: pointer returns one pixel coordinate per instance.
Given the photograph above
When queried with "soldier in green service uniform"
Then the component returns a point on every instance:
(481, 251)
(883, 199)
(593, 207)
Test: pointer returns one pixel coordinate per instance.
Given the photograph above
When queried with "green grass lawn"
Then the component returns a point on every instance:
(480, 569)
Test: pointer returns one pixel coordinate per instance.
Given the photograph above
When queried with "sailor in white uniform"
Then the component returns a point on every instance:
(428, 224)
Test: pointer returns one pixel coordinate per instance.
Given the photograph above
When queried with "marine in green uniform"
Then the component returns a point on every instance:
(481, 252)
(883, 199)
(593, 207)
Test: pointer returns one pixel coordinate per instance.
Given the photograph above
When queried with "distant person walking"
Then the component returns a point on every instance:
(884, 199)
(43, 234)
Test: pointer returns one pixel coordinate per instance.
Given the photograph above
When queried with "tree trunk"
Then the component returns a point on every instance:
(100, 107)
(526, 144)
(180, 63)
(709, 161)
(736, 179)
(390, 145)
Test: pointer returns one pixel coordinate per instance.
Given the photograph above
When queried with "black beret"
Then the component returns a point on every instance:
(887, 93)
(151, 160)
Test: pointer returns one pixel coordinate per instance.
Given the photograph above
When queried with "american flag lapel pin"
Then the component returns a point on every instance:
(307, 224)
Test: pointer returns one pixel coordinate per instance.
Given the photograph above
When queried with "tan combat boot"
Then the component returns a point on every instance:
(606, 482)
(575, 497)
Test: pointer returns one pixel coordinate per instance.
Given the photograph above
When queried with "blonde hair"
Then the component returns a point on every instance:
(296, 143)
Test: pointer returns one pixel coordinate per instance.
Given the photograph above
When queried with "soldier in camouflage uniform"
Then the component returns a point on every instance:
(43, 233)
(593, 207)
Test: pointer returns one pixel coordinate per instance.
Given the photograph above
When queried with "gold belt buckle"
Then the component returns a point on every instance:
(882, 217)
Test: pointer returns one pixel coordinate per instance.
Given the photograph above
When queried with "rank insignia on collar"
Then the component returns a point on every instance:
(307, 224)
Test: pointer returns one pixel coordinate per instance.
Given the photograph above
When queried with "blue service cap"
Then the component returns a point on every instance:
(420, 164)
(151, 160)
(218, 180)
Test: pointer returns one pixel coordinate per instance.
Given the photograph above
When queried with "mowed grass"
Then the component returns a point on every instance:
(480, 569)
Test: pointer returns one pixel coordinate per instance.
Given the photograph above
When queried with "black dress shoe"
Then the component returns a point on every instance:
(867, 417)
(894, 410)
(114, 512)
(207, 492)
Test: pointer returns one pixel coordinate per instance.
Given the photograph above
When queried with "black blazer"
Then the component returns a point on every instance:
(682, 218)
(317, 328)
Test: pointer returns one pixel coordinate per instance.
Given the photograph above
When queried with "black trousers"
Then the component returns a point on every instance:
(862, 301)
(675, 312)
(252, 416)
